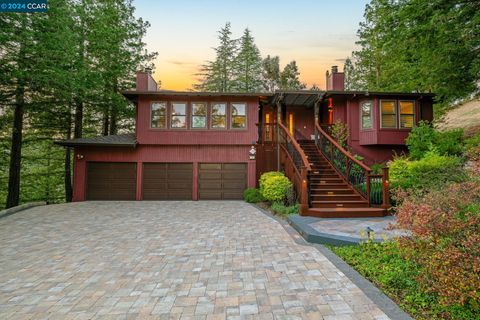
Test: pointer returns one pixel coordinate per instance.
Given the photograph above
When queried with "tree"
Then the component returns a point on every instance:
(248, 65)
(271, 73)
(218, 75)
(289, 77)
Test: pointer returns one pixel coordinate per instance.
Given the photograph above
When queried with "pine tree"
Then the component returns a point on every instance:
(271, 73)
(289, 77)
(248, 65)
(218, 75)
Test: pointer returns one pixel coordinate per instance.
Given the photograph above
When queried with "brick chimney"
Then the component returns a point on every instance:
(145, 81)
(335, 80)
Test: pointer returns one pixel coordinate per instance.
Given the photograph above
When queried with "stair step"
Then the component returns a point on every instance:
(346, 212)
(340, 198)
(336, 191)
(340, 204)
(329, 186)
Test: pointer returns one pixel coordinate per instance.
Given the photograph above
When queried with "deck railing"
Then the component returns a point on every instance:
(296, 165)
(373, 187)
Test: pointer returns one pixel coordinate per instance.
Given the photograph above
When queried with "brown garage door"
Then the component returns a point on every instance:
(218, 181)
(167, 181)
(111, 180)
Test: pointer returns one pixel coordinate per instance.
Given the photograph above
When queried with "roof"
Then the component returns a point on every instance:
(298, 97)
(121, 140)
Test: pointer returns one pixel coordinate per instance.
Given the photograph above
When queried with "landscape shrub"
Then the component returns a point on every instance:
(445, 225)
(281, 209)
(252, 195)
(340, 133)
(425, 138)
(268, 175)
(275, 188)
(430, 172)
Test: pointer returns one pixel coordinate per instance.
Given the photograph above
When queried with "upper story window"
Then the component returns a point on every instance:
(199, 115)
(219, 115)
(366, 114)
(388, 111)
(239, 116)
(407, 114)
(158, 116)
(179, 115)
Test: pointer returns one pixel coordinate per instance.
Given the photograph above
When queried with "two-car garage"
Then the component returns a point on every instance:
(166, 181)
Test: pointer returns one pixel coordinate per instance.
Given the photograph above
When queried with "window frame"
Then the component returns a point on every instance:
(170, 114)
(231, 116)
(413, 114)
(210, 115)
(166, 115)
(192, 115)
(395, 108)
(371, 115)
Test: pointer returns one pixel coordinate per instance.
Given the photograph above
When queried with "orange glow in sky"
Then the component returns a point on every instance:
(315, 33)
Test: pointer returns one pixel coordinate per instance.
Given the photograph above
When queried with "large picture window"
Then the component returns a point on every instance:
(388, 110)
(407, 114)
(179, 115)
(199, 115)
(219, 115)
(366, 114)
(158, 115)
(239, 116)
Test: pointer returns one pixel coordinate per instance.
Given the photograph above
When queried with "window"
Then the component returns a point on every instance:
(239, 118)
(199, 115)
(219, 116)
(179, 115)
(158, 115)
(407, 114)
(366, 114)
(388, 110)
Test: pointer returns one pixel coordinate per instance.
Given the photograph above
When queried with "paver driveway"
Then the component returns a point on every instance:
(199, 260)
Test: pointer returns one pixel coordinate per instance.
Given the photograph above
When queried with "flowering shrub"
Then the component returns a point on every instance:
(264, 177)
(445, 225)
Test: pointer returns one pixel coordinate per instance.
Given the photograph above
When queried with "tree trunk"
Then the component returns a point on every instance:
(13, 196)
(68, 161)
(106, 123)
(77, 133)
(113, 122)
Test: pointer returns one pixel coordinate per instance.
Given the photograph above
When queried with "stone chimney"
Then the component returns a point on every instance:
(335, 80)
(145, 81)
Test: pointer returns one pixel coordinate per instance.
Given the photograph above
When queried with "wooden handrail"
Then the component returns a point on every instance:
(299, 149)
(342, 150)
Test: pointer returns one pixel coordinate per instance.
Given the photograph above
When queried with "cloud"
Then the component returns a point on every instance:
(180, 63)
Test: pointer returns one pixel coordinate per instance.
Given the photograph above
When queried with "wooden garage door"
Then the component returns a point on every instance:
(167, 181)
(218, 181)
(111, 180)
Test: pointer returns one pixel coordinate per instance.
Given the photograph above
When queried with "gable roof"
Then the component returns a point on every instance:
(121, 140)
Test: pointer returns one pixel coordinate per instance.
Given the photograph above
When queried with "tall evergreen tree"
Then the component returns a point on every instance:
(248, 65)
(289, 77)
(218, 75)
(271, 73)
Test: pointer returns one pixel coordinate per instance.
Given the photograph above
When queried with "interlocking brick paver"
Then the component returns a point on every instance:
(166, 260)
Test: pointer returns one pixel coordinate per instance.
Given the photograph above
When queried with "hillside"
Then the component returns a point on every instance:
(466, 116)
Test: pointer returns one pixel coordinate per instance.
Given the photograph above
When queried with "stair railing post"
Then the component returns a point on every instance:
(385, 188)
(367, 182)
(304, 191)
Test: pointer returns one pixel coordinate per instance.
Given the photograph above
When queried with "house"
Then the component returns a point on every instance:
(210, 146)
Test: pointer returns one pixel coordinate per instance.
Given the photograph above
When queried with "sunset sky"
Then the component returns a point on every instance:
(315, 33)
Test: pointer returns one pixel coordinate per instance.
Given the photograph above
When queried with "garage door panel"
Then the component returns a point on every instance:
(222, 180)
(167, 181)
(111, 181)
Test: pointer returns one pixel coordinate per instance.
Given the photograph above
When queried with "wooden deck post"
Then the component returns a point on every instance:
(385, 188)
(279, 121)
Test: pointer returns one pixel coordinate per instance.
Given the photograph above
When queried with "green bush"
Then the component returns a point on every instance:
(275, 188)
(252, 195)
(473, 141)
(430, 172)
(281, 209)
(425, 138)
(268, 175)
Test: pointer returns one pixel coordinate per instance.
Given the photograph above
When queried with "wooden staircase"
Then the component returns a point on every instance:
(330, 196)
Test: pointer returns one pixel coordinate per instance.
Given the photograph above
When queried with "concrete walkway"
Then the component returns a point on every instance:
(166, 260)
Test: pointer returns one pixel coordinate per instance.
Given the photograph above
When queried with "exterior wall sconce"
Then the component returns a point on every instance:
(80, 156)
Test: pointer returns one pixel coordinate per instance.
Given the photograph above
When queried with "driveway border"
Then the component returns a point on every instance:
(387, 305)
(25, 206)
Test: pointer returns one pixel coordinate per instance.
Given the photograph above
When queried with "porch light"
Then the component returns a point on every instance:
(80, 156)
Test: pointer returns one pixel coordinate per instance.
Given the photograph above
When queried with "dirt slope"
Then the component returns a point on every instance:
(466, 116)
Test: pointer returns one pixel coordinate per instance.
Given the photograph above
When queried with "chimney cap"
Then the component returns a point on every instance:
(334, 69)
(148, 70)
